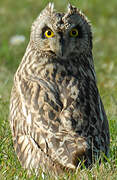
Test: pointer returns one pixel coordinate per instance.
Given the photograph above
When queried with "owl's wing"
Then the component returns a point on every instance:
(105, 128)
(39, 138)
(26, 137)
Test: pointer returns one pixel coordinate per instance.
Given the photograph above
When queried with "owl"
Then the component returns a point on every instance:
(57, 117)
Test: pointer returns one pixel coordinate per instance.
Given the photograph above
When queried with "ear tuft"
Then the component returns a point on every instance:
(50, 7)
(71, 9)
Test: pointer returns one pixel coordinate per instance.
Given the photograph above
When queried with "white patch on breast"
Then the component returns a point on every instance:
(28, 119)
(24, 110)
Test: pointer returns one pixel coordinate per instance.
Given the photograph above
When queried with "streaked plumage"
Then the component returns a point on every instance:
(56, 113)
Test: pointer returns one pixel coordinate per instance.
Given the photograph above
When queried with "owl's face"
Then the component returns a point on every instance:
(62, 34)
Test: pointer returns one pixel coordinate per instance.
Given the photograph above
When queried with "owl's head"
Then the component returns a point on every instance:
(61, 34)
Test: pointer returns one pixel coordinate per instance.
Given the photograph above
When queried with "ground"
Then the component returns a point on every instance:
(16, 18)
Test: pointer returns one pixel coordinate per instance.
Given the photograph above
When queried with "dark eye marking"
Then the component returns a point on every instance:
(80, 31)
(44, 30)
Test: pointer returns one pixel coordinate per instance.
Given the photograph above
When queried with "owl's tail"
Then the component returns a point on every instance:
(67, 149)
(56, 153)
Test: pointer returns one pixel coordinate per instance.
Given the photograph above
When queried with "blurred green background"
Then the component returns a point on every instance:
(16, 17)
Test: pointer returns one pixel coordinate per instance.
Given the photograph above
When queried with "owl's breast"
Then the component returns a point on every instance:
(61, 91)
(55, 95)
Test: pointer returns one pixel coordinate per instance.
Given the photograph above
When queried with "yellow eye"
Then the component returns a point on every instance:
(49, 33)
(74, 32)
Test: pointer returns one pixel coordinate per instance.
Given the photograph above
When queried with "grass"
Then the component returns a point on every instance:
(16, 17)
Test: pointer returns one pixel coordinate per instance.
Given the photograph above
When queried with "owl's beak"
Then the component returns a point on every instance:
(60, 49)
(58, 46)
(60, 52)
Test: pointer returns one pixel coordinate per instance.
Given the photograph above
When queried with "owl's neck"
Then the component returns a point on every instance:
(49, 67)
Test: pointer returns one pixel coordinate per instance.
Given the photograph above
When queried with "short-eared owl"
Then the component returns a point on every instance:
(56, 114)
